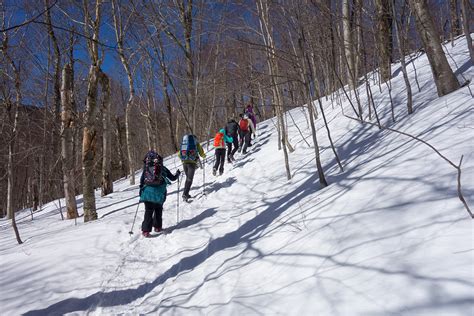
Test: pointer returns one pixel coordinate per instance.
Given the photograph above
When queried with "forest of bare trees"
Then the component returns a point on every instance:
(86, 87)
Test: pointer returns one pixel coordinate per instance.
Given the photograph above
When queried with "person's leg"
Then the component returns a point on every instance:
(148, 218)
(236, 146)
(222, 160)
(241, 140)
(229, 152)
(246, 136)
(217, 161)
(189, 169)
(158, 217)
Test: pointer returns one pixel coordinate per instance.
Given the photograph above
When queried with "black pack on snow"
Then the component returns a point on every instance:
(189, 148)
(153, 168)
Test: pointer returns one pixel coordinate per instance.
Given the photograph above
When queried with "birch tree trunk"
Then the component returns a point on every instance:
(107, 181)
(67, 122)
(262, 8)
(444, 78)
(186, 18)
(89, 138)
(119, 34)
(348, 44)
(401, 50)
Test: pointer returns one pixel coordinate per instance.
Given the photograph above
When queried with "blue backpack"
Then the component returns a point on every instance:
(189, 148)
(153, 168)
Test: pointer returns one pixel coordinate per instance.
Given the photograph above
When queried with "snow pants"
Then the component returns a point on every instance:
(153, 216)
(232, 147)
(245, 138)
(189, 170)
(220, 160)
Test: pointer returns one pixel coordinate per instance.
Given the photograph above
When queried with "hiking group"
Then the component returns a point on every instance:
(156, 177)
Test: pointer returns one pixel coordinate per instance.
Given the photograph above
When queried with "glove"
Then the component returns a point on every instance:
(140, 191)
(178, 172)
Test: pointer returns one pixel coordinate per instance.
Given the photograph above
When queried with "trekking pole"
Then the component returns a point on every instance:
(204, 178)
(177, 202)
(136, 212)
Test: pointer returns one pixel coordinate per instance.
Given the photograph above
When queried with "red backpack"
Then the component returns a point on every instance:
(219, 140)
(244, 125)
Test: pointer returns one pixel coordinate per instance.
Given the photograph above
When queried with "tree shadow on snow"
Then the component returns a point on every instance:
(248, 233)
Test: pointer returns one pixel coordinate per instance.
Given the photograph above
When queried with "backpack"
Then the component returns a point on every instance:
(153, 168)
(219, 140)
(244, 125)
(188, 148)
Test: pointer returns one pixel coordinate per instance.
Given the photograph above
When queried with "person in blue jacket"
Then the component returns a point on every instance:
(153, 191)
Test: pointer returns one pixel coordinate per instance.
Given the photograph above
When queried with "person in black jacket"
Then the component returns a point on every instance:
(232, 129)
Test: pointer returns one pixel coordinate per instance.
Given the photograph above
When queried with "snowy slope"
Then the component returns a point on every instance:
(389, 236)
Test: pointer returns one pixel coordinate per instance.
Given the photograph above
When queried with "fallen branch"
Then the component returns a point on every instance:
(458, 168)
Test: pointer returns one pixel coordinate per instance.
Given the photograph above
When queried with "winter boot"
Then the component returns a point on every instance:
(146, 234)
(214, 171)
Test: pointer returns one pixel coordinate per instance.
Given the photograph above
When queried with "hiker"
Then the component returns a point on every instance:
(189, 154)
(220, 141)
(246, 130)
(251, 114)
(155, 177)
(233, 130)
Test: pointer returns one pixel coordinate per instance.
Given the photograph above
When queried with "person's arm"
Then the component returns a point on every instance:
(228, 138)
(252, 127)
(169, 175)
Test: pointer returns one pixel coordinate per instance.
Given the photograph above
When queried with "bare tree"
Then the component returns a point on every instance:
(12, 114)
(67, 120)
(120, 30)
(348, 42)
(107, 181)
(466, 7)
(89, 140)
(384, 36)
(263, 12)
(444, 78)
(454, 20)
(401, 50)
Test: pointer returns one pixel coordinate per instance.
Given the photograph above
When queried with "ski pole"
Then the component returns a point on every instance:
(204, 178)
(136, 212)
(177, 202)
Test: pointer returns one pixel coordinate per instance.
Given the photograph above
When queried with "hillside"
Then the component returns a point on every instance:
(388, 236)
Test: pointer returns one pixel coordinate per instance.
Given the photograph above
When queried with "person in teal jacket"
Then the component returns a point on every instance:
(154, 196)
(220, 141)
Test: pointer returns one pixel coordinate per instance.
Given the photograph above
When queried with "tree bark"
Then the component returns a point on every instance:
(89, 139)
(262, 8)
(67, 122)
(348, 43)
(119, 33)
(444, 78)
(107, 181)
(401, 50)
(384, 35)
(454, 20)
(466, 8)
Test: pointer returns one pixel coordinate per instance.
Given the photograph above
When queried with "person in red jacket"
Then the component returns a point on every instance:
(220, 141)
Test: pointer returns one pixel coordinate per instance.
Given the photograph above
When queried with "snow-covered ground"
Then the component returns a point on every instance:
(388, 236)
